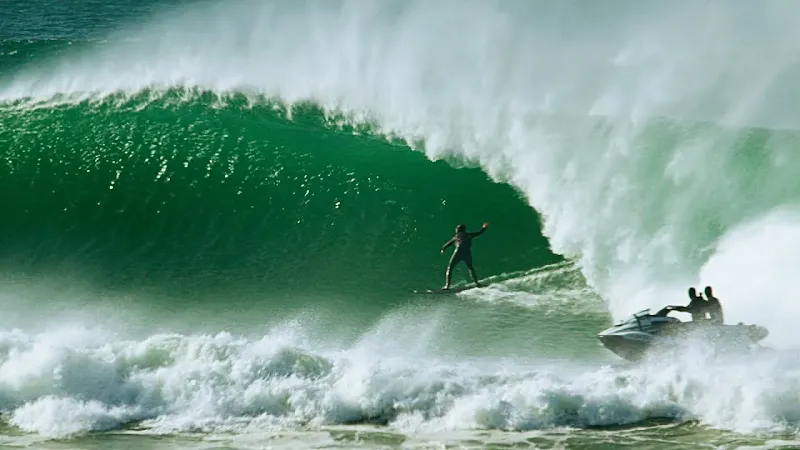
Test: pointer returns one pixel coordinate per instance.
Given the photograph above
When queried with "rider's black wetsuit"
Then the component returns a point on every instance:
(463, 252)
(697, 307)
(714, 309)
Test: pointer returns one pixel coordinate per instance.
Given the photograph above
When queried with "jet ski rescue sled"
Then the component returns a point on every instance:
(631, 338)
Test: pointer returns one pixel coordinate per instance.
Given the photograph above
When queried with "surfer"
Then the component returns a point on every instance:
(463, 252)
(714, 307)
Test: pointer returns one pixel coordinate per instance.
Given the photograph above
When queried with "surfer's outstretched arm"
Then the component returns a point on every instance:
(448, 244)
(478, 233)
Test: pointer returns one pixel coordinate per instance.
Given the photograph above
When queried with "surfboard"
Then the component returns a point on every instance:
(452, 290)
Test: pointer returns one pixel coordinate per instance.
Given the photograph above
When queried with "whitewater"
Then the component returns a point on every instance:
(634, 149)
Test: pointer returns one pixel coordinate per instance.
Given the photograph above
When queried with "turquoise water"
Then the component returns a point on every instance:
(215, 215)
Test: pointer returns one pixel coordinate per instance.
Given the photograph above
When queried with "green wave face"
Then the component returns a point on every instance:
(190, 195)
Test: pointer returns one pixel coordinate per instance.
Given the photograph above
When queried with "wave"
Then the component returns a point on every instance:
(639, 205)
(291, 154)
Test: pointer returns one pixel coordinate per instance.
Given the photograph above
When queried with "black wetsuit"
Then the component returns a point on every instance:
(697, 307)
(463, 252)
(714, 309)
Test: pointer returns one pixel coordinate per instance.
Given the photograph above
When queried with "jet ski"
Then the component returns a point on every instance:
(631, 338)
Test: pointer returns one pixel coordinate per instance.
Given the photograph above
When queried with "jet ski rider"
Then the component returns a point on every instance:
(697, 306)
(714, 307)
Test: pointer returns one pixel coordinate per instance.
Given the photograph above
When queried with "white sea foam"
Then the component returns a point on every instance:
(56, 386)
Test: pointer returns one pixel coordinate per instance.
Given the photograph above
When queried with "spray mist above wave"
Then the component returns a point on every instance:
(590, 110)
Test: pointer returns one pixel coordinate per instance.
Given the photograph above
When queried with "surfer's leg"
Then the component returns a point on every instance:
(468, 262)
(455, 259)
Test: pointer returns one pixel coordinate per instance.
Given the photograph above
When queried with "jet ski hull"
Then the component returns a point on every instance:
(627, 347)
(632, 338)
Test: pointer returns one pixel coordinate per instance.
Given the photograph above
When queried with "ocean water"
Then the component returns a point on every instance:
(215, 215)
